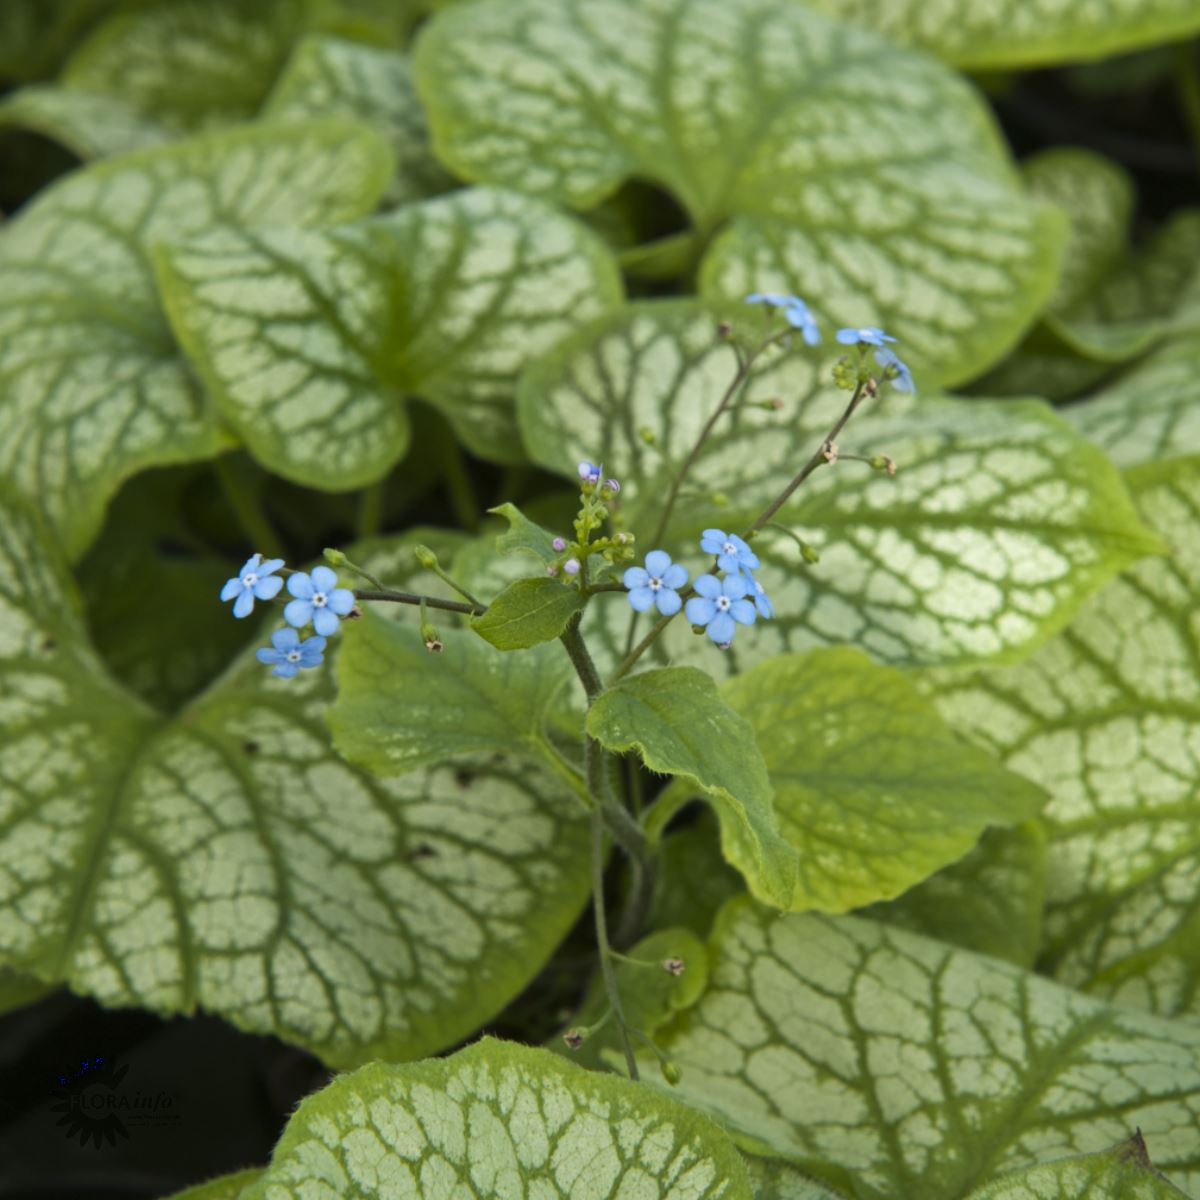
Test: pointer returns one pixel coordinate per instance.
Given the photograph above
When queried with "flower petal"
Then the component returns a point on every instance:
(286, 670)
(268, 588)
(657, 562)
(324, 579)
(251, 564)
(668, 602)
(735, 586)
(265, 654)
(270, 566)
(708, 586)
(743, 612)
(325, 622)
(700, 611)
(341, 600)
(301, 586)
(285, 639)
(721, 628)
(675, 576)
(243, 606)
(636, 577)
(298, 612)
(640, 599)
(231, 589)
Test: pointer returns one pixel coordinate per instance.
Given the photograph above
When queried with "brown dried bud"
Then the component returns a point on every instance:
(674, 966)
(829, 452)
(573, 1038)
(725, 330)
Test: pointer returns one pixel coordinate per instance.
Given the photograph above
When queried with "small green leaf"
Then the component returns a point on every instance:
(989, 34)
(523, 536)
(92, 387)
(308, 342)
(470, 698)
(229, 859)
(872, 790)
(328, 76)
(191, 64)
(998, 522)
(497, 1121)
(793, 145)
(86, 123)
(1151, 413)
(1107, 718)
(677, 722)
(225, 1187)
(527, 613)
(990, 901)
(886, 1064)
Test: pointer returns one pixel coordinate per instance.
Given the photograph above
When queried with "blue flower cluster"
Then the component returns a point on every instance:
(720, 605)
(798, 315)
(317, 599)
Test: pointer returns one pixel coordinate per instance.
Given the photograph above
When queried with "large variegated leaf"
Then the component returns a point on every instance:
(1107, 719)
(230, 860)
(225, 1187)
(1150, 414)
(998, 522)
(92, 387)
(328, 75)
(309, 341)
(88, 124)
(498, 1121)
(886, 194)
(1020, 33)
(191, 64)
(871, 789)
(888, 1064)
(1122, 1173)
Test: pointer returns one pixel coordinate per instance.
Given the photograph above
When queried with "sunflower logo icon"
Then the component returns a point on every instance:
(87, 1100)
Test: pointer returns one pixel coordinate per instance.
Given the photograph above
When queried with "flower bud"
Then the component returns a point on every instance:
(335, 558)
(647, 435)
(425, 557)
(671, 1072)
(612, 485)
(571, 566)
(429, 635)
(559, 544)
(884, 462)
(573, 1038)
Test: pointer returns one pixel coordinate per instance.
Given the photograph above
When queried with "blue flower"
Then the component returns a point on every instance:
(255, 581)
(656, 585)
(762, 601)
(795, 311)
(589, 472)
(718, 604)
(869, 335)
(732, 553)
(318, 599)
(290, 653)
(903, 380)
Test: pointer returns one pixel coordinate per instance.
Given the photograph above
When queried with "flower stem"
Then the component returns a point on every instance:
(818, 459)
(471, 610)
(458, 484)
(369, 518)
(606, 961)
(249, 512)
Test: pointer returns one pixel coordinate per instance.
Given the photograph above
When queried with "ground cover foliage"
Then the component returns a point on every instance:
(709, 492)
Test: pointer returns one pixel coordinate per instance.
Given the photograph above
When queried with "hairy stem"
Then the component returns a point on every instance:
(249, 512)
(606, 961)
(471, 610)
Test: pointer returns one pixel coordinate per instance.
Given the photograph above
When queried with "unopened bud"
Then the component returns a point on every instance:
(335, 558)
(725, 330)
(425, 557)
(552, 569)
(559, 544)
(884, 462)
(647, 435)
(775, 404)
(612, 485)
(573, 1038)
(674, 966)
(624, 539)
(720, 499)
(809, 554)
(671, 1072)
(431, 638)
(571, 566)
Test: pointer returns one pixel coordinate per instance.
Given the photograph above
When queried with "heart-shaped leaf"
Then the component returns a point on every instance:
(494, 1121)
(677, 722)
(872, 789)
(471, 697)
(887, 1064)
(1107, 718)
(92, 388)
(987, 34)
(998, 522)
(330, 76)
(230, 860)
(86, 123)
(308, 341)
(527, 613)
(765, 116)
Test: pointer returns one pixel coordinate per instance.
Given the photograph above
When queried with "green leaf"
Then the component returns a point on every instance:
(1122, 1173)
(499, 1120)
(776, 1180)
(908, 215)
(523, 536)
(330, 76)
(872, 790)
(677, 722)
(527, 613)
(18, 990)
(224, 1187)
(308, 341)
(86, 123)
(470, 698)
(989, 34)
(1107, 719)
(989, 901)
(92, 388)
(229, 860)
(1151, 413)
(999, 521)
(886, 1064)
(35, 34)
(191, 64)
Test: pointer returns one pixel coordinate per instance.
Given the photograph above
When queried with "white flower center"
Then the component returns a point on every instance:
(293, 656)
(655, 583)
(729, 548)
(319, 599)
(249, 579)
(723, 603)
